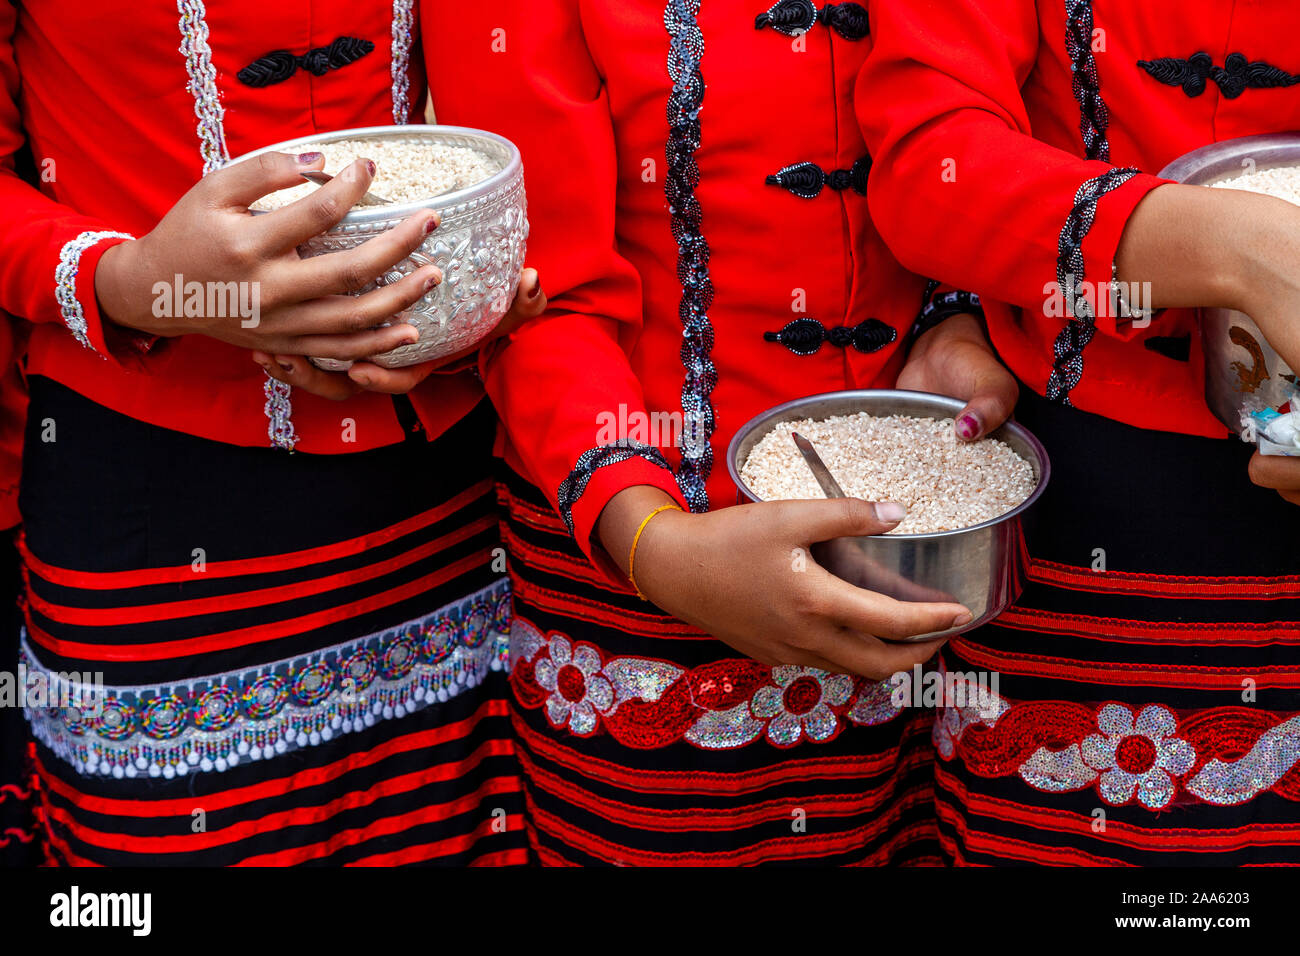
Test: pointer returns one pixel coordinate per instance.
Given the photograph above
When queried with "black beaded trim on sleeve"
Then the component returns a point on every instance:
(1067, 350)
(278, 65)
(806, 336)
(942, 306)
(806, 180)
(572, 487)
(1237, 75)
(685, 51)
(796, 17)
(1094, 118)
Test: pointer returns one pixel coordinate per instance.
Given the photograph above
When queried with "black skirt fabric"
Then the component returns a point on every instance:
(1148, 681)
(301, 657)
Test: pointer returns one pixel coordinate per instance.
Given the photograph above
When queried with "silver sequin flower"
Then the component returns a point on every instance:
(1141, 755)
(578, 690)
(800, 704)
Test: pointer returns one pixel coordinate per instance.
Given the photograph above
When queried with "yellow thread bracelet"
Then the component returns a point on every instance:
(631, 558)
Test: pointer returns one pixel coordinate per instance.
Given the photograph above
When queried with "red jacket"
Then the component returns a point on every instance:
(13, 413)
(985, 132)
(583, 87)
(100, 91)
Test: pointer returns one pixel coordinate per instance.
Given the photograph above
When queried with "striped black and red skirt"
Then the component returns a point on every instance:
(645, 742)
(253, 657)
(1147, 709)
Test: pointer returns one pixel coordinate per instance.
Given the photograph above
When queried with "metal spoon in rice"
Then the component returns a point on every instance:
(830, 487)
(320, 179)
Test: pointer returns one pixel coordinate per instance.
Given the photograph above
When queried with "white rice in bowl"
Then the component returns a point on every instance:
(405, 171)
(918, 462)
(1281, 183)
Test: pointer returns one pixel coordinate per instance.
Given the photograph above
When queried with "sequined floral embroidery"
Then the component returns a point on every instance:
(578, 689)
(1142, 755)
(1150, 757)
(647, 703)
(799, 703)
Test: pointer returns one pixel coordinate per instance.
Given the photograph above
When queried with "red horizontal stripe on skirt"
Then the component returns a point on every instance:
(528, 513)
(545, 855)
(225, 799)
(1144, 632)
(1114, 673)
(690, 819)
(702, 782)
(220, 603)
(257, 633)
(113, 580)
(1162, 585)
(809, 845)
(429, 851)
(556, 562)
(1009, 848)
(389, 825)
(515, 857)
(279, 820)
(1167, 839)
(58, 843)
(649, 624)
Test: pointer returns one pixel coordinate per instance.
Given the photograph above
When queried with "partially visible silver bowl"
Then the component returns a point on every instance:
(1242, 372)
(981, 567)
(479, 246)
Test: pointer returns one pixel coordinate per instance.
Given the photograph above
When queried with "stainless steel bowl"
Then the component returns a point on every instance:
(981, 567)
(1242, 372)
(479, 246)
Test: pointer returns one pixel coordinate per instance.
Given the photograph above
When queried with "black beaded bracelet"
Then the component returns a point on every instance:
(945, 305)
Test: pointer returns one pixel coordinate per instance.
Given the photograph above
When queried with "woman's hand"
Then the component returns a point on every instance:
(1278, 472)
(954, 358)
(1225, 248)
(745, 575)
(302, 306)
(295, 370)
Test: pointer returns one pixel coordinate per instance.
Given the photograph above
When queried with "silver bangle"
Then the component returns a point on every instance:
(1120, 305)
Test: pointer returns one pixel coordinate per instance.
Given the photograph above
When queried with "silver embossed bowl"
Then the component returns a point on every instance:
(981, 567)
(479, 246)
(1242, 371)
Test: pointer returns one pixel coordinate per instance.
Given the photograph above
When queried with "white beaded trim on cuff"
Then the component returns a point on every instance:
(65, 281)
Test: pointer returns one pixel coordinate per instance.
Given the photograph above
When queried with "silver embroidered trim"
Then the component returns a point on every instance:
(403, 30)
(126, 731)
(203, 84)
(65, 281)
(279, 414)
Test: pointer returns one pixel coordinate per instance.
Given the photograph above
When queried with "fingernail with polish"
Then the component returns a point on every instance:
(432, 281)
(287, 366)
(890, 511)
(370, 166)
(307, 159)
(968, 427)
(431, 225)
